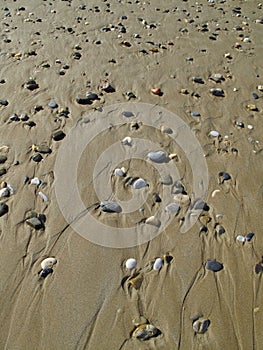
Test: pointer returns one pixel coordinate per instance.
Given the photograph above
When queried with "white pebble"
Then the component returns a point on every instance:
(158, 264)
(250, 127)
(152, 220)
(214, 133)
(260, 87)
(241, 238)
(35, 181)
(127, 141)
(4, 192)
(11, 189)
(131, 263)
(120, 172)
(48, 263)
(43, 196)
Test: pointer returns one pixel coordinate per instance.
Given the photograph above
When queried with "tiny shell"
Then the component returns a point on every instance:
(43, 196)
(48, 263)
(215, 192)
(241, 238)
(152, 220)
(130, 263)
(139, 183)
(158, 264)
(158, 157)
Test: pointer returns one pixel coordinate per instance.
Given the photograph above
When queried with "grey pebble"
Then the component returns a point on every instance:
(249, 236)
(2, 171)
(220, 229)
(195, 114)
(52, 104)
(157, 157)
(217, 92)
(214, 265)
(198, 80)
(35, 223)
(3, 209)
(167, 180)
(110, 207)
(224, 176)
(14, 117)
(157, 198)
(24, 117)
(31, 85)
(37, 157)
(45, 272)
(3, 159)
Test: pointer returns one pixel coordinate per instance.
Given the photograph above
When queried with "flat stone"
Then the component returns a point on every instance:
(110, 207)
(45, 272)
(3, 159)
(43, 149)
(3, 209)
(157, 157)
(2, 171)
(214, 265)
(201, 325)
(37, 157)
(145, 332)
(35, 223)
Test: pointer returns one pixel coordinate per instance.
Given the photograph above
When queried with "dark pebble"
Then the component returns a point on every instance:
(37, 157)
(2, 171)
(224, 176)
(30, 123)
(32, 85)
(220, 229)
(35, 223)
(214, 265)
(258, 268)
(26, 179)
(14, 118)
(3, 209)
(24, 117)
(4, 102)
(76, 55)
(255, 96)
(201, 205)
(195, 114)
(44, 273)
(3, 159)
(110, 207)
(249, 236)
(198, 80)
(157, 198)
(58, 135)
(127, 114)
(240, 124)
(92, 96)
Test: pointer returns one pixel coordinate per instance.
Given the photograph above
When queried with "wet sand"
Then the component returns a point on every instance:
(88, 302)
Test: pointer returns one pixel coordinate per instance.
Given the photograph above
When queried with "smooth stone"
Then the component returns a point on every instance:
(48, 263)
(3, 159)
(249, 236)
(58, 135)
(157, 198)
(4, 102)
(214, 133)
(3, 209)
(173, 208)
(225, 176)
(14, 117)
(35, 223)
(152, 220)
(53, 105)
(195, 114)
(166, 130)
(255, 96)
(35, 181)
(201, 205)
(214, 265)
(127, 141)
(43, 149)
(127, 114)
(201, 325)
(92, 96)
(220, 230)
(119, 172)
(83, 100)
(43, 196)
(45, 272)
(4, 192)
(145, 332)
(157, 157)
(198, 80)
(240, 124)
(241, 238)
(217, 92)
(167, 180)
(130, 263)
(37, 157)
(2, 171)
(110, 207)
(158, 264)
(139, 183)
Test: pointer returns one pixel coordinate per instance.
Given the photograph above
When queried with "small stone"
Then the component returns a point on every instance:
(127, 141)
(219, 229)
(119, 172)
(48, 263)
(201, 325)
(110, 207)
(172, 208)
(255, 96)
(3, 159)
(14, 118)
(53, 105)
(214, 133)
(145, 332)
(131, 263)
(43, 196)
(167, 180)
(158, 264)
(24, 117)
(157, 198)
(45, 272)
(42, 149)
(3, 209)
(240, 124)
(214, 265)
(92, 96)
(201, 205)
(157, 157)
(252, 107)
(241, 238)
(224, 176)
(127, 114)
(58, 135)
(35, 223)
(156, 91)
(4, 102)
(249, 236)
(152, 220)
(260, 87)
(139, 183)
(35, 181)
(217, 92)
(166, 130)
(195, 114)
(37, 157)
(2, 171)
(31, 85)
(4, 192)
(198, 80)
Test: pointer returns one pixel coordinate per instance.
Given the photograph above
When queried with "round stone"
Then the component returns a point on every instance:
(53, 105)
(45, 272)
(157, 157)
(3, 209)
(214, 265)
(139, 183)
(37, 157)
(130, 263)
(158, 264)
(58, 135)
(48, 263)
(241, 238)
(110, 207)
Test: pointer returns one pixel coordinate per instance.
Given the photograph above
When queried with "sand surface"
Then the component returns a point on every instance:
(88, 301)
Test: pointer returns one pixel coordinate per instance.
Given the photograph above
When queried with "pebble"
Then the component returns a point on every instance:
(240, 124)
(252, 107)
(198, 80)
(219, 229)
(156, 91)
(4, 192)
(217, 92)
(130, 263)
(173, 208)
(214, 133)
(241, 238)
(157, 198)
(127, 114)
(43, 196)
(158, 264)
(201, 205)
(157, 157)
(145, 332)
(195, 114)
(37, 157)
(45, 272)
(58, 135)
(249, 236)
(127, 141)
(3, 209)
(152, 220)
(260, 87)
(48, 263)
(42, 149)
(35, 223)
(4, 102)
(139, 183)
(255, 96)
(3, 159)
(214, 265)
(119, 172)
(166, 130)
(110, 207)
(14, 118)
(31, 85)
(35, 181)
(224, 176)
(201, 325)
(53, 105)
(2, 171)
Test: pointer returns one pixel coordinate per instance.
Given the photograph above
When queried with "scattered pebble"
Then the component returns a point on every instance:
(146, 332)
(201, 325)
(157, 157)
(35, 223)
(120, 172)
(139, 183)
(110, 207)
(3, 209)
(48, 263)
(45, 272)
(217, 92)
(214, 265)
(214, 133)
(58, 135)
(241, 238)
(158, 264)
(131, 263)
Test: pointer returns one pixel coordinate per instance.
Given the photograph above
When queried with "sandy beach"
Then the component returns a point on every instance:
(90, 92)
